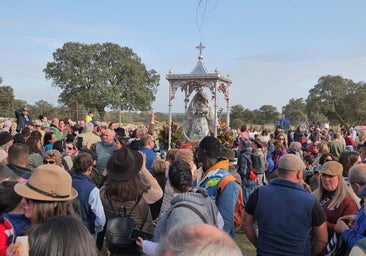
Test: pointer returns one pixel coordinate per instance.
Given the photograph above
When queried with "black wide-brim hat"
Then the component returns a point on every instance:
(124, 164)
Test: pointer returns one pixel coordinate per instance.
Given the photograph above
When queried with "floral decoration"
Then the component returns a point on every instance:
(177, 139)
(225, 135)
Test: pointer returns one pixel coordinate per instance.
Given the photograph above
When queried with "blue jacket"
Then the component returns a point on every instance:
(89, 213)
(351, 236)
(22, 120)
(226, 200)
(150, 157)
(19, 222)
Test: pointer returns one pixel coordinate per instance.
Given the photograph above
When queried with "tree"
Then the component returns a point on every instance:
(6, 101)
(45, 108)
(102, 75)
(268, 114)
(295, 110)
(236, 116)
(339, 99)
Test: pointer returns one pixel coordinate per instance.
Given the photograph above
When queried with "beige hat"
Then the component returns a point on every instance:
(332, 168)
(48, 182)
(259, 142)
(291, 162)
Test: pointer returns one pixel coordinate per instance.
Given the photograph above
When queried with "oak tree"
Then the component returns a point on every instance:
(102, 75)
(341, 100)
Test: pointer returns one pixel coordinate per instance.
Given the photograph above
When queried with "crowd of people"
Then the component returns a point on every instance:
(312, 182)
(73, 177)
(66, 177)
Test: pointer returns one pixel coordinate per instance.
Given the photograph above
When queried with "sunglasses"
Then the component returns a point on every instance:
(327, 176)
(49, 161)
(281, 138)
(70, 148)
(328, 160)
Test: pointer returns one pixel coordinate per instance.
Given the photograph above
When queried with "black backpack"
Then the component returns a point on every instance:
(118, 231)
(259, 163)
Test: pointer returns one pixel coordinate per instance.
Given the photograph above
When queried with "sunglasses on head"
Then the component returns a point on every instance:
(49, 161)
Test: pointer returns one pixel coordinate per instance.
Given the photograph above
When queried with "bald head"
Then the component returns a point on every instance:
(198, 239)
(357, 176)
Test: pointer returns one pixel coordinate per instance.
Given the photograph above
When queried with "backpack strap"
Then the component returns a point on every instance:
(129, 214)
(133, 208)
(124, 208)
(224, 181)
(194, 210)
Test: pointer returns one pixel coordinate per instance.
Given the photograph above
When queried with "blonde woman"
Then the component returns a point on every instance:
(335, 197)
(323, 148)
(187, 155)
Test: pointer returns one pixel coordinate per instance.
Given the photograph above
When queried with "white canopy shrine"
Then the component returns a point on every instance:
(196, 81)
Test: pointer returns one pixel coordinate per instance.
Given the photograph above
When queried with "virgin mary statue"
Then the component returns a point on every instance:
(199, 118)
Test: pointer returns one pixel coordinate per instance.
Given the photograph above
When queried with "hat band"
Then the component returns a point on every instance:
(53, 194)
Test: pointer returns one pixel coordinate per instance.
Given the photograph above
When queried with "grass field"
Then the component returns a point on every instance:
(246, 247)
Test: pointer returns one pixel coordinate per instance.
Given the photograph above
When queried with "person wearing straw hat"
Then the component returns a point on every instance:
(47, 193)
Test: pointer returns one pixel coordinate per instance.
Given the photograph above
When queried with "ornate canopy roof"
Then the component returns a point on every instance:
(198, 79)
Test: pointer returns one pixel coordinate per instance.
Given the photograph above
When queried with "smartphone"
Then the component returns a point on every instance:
(135, 233)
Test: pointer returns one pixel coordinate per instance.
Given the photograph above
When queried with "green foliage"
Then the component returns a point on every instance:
(339, 99)
(240, 115)
(6, 101)
(267, 114)
(102, 75)
(295, 110)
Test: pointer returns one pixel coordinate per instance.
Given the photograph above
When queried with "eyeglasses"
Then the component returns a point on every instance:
(281, 138)
(49, 161)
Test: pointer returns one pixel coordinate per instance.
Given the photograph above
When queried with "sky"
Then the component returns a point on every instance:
(272, 50)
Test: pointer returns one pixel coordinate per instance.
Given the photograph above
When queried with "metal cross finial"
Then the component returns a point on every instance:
(200, 47)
